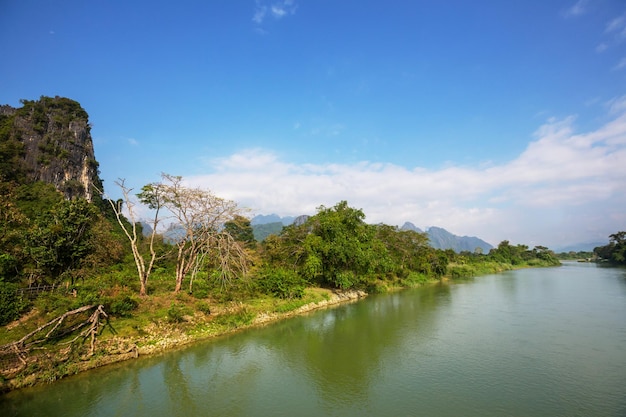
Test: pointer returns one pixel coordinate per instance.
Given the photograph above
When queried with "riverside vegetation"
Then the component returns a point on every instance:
(84, 282)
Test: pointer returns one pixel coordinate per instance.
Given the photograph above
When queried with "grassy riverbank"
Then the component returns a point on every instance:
(160, 324)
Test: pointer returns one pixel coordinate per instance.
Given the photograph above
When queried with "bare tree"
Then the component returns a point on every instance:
(153, 201)
(199, 213)
(230, 258)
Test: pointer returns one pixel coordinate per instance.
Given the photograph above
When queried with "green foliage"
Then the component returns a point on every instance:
(461, 271)
(573, 255)
(414, 279)
(177, 312)
(59, 238)
(200, 289)
(615, 251)
(12, 304)
(203, 307)
(406, 250)
(36, 198)
(12, 150)
(521, 255)
(123, 306)
(8, 267)
(281, 283)
(239, 228)
(341, 246)
(243, 317)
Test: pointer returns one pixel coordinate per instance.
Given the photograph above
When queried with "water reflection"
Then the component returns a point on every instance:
(342, 351)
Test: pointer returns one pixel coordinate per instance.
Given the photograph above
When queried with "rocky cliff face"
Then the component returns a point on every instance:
(49, 140)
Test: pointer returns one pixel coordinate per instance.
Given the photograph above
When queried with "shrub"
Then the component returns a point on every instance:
(414, 279)
(176, 313)
(203, 307)
(12, 304)
(281, 283)
(123, 306)
(462, 271)
(200, 289)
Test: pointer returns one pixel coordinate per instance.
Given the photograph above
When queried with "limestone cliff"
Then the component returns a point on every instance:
(49, 140)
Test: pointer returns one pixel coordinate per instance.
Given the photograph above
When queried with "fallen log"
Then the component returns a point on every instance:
(23, 346)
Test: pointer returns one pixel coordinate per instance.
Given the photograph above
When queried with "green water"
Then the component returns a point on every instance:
(537, 342)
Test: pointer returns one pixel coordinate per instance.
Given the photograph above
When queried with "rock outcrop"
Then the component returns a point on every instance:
(50, 140)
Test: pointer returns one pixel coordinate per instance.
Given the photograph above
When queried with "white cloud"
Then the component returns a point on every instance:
(601, 47)
(133, 142)
(620, 65)
(565, 187)
(276, 9)
(578, 9)
(259, 13)
(616, 25)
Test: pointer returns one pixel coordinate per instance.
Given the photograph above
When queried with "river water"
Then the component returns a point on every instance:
(534, 342)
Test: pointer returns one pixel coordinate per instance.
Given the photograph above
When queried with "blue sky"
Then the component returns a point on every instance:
(499, 119)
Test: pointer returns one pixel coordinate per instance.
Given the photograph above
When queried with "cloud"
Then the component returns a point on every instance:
(616, 29)
(620, 65)
(565, 187)
(133, 142)
(616, 25)
(601, 47)
(259, 13)
(578, 9)
(276, 10)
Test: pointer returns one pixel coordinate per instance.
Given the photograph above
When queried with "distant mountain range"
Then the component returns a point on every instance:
(265, 225)
(442, 239)
(271, 218)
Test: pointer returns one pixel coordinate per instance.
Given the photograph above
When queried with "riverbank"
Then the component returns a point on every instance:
(156, 337)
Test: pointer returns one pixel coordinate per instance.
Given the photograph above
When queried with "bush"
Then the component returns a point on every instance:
(462, 271)
(414, 279)
(281, 283)
(123, 306)
(200, 289)
(203, 307)
(176, 313)
(12, 304)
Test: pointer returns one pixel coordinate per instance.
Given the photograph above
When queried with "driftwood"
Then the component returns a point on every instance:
(90, 327)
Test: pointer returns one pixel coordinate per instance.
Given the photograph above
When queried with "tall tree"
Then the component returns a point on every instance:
(151, 198)
(201, 215)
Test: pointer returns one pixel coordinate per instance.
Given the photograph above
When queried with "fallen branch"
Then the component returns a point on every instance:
(23, 345)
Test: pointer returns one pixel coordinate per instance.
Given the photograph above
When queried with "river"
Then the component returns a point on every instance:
(532, 342)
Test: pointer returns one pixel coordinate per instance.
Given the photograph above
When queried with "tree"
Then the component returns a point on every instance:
(406, 249)
(615, 251)
(340, 248)
(240, 230)
(199, 213)
(229, 257)
(59, 239)
(151, 198)
(12, 222)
